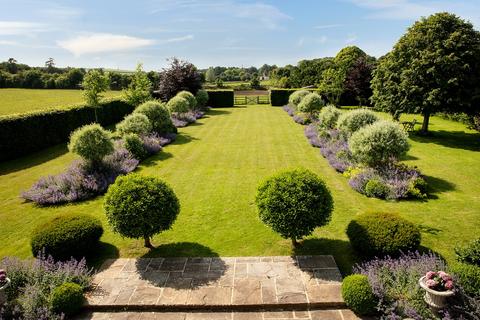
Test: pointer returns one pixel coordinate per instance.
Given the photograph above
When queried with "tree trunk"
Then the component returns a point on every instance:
(294, 242)
(426, 120)
(148, 244)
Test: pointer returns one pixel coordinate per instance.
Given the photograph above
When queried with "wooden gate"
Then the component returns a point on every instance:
(244, 100)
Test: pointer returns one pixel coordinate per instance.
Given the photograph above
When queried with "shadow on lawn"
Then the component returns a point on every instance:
(218, 111)
(183, 138)
(451, 139)
(99, 255)
(33, 159)
(438, 185)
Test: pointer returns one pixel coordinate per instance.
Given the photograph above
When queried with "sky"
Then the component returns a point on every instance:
(119, 34)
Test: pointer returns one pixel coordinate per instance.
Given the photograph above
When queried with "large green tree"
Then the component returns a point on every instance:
(434, 67)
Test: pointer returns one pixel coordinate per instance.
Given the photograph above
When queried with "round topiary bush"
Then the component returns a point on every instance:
(351, 121)
(379, 233)
(140, 207)
(134, 145)
(67, 298)
(358, 295)
(177, 105)
(158, 116)
(311, 103)
(136, 123)
(91, 142)
(297, 96)
(379, 143)
(328, 117)
(293, 203)
(66, 236)
(202, 98)
(192, 102)
(468, 276)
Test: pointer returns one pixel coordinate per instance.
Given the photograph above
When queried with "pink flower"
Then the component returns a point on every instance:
(430, 275)
(442, 274)
(431, 283)
(449, 285)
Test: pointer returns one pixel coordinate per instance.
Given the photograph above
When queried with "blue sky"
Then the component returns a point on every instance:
(118, 34)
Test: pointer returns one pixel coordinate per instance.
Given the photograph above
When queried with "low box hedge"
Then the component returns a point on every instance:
(220, 98)
(22, 134)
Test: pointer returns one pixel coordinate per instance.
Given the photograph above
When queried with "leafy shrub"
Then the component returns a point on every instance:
(178, 105)
(328, 117)
(382, 234)
(293, 203)
(94, 83)
(377, 189)
(470, 253)
(180, 75)
(67, 298)
(134, 145)
(468, 276)
(221, 98)
(158, 116)
(66, 236)
(91, 142)
(358, 294)
(202, 98)
(297, 96)
(334, 147)
(138, 90)
(311, 103)
(350, 122)
(136, 123)
(192, 102)
(379, 143)
(140, 207)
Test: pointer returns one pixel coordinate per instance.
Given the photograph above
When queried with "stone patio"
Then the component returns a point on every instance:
(228, 284)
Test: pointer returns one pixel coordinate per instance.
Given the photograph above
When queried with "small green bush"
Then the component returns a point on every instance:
(202, 98)
(350, 122)
(140, 206)
(158, 116)
(377, 234)
(468, 276)
(297, 96)
(311, 103)
(136, 123)
(134, 145)
(470, 253)
(91, 142)
(68, 235)
(379, 143)
(293, 203)
(192, 102)
(358, 295)
(376, 189)
(178, 105)
(417, 188)
(67, 298)
(328, 117)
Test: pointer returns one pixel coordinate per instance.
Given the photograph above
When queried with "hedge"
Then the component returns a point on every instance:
(279, 97)
(220, 98)
(22, 134)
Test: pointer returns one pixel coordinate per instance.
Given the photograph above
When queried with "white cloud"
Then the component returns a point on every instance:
(397, 9)
(102, 42)
(328, 26)
(8, 43)
(178, 39)
(351, 38)
(309, 40)
(268, 15)
(20, 27)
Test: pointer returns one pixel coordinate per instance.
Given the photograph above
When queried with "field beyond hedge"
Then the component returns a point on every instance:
(215, 166)
(26, 100)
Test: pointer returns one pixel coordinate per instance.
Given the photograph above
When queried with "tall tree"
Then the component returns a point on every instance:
(331, 85)
(179, 76)
(12, 65)
(50, 64)
(434, 67)
(358, 80)
(210, 75)
(139, 90)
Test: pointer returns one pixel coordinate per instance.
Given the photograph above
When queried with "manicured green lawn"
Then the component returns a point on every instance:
(215, 167)
(25, 100)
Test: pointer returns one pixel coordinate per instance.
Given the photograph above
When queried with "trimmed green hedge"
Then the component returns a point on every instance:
(22, 134)
(220, 98)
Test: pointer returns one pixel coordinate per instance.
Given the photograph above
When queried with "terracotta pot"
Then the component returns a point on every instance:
(435, 299)
(3, 296)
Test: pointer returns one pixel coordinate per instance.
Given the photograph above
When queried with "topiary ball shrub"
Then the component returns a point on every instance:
(468, 276)
(380, 233)
(178, 105)
(140, 206)
(350, 122)
(91, 142)
(311, 103)
(192, 102)
(136, 123)
(134, 145)
(328, 117)
(379, 143)
(67, 298)
(470, 253)
(66, 236)
(158, 116)
(293, 203)
(202, 98)
(358, 295)
(296, 97)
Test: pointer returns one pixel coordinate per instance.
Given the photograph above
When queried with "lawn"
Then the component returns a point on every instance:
(215, 166)
(26, 100)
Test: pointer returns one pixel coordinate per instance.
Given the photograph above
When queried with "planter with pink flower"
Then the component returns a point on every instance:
(4, 283)
(438, 286)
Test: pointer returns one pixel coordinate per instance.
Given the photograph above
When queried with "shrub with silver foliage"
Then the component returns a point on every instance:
(328, 117)
(297, 96)
(91, 142)
(311, 103)
(135, 123)
(352, 121)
